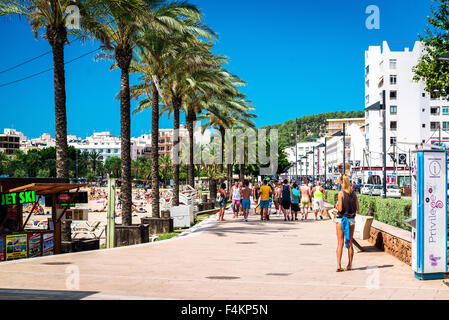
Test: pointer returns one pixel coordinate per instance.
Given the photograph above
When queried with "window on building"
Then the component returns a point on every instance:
(393, 64)
(393, 141)
(393, 95)
(367, 142)
(434, 126)
(367, 114)
(393, 125)
(423, 110)
(424, 125)
(109, 151)
(423, 95)
(367, 70)
(445, 111)
(435, 111)
(393, 109)
(393, 79)
(367, 99)
(446, 126)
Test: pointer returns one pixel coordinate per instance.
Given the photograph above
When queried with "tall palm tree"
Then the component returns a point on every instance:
(119, 25)
(50, 16)
(155, 47)
(188, 55)
(226, 113)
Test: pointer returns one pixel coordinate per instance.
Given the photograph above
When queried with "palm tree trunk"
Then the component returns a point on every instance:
(241, 175)
(230, 174)
(155, 150)
(57, 37)
(190, 118)
(221, 166)
(213, 189)
(176, 166)
(123, 58)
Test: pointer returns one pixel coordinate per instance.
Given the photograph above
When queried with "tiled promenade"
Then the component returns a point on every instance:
(230, 260)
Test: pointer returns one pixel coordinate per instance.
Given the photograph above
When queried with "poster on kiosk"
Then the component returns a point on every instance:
(429, 214)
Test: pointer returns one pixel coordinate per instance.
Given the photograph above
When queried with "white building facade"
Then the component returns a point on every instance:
(413, 117)
(304, 153)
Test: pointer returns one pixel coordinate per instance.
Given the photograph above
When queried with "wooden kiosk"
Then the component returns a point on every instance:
(15, 241)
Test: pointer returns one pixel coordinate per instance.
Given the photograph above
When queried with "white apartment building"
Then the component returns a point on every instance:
(10, 141)
(305, 158)
(104, 143)
(412, 116)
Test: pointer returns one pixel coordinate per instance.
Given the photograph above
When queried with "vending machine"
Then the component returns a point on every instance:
(429, 214)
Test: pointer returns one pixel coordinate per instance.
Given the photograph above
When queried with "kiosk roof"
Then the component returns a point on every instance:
(48, 188)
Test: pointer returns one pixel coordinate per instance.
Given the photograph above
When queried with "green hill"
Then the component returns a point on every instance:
(309, 127)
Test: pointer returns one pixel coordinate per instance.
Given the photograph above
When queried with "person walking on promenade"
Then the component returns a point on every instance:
(236, 197)
(347, 206)
(276, 197)
(319, 195)
(246, 202)
(222, 201)
(270, 203)
(286, 200)
(295, 195)
(256, 193)
(306, 195)
(265, 192)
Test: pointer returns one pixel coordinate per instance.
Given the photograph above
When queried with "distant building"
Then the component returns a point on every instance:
(304, 152)
(336, 125)
(9, 141)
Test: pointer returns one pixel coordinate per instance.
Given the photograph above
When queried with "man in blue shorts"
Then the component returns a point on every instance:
(246, 202)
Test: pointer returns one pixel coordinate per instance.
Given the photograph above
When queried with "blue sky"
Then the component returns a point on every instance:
(298, 57)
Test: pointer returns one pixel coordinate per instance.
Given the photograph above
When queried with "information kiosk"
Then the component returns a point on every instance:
(429, 214)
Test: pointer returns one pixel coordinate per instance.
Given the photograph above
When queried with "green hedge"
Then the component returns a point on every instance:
(332, 196)
(390, 211)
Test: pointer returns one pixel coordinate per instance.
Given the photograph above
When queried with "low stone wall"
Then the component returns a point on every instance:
(392, 240)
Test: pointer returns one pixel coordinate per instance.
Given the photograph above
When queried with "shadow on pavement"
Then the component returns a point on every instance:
(21, 294)
(374, 267)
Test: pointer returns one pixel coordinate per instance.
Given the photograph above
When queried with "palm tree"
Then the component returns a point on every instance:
(119, 25)
(155, 48)
(228, 113)
(4, 159)
(165, 166)
(94, 158)
(50, 15)
(188, 55)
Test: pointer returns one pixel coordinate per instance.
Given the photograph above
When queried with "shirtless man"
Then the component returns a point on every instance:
(306, 195)
(246, 202)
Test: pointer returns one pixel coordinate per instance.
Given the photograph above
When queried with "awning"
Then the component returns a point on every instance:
(48, 188)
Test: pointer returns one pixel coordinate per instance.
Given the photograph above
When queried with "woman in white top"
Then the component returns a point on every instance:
(236, 197)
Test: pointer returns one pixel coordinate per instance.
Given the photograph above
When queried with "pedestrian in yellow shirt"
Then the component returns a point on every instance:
(265, 192)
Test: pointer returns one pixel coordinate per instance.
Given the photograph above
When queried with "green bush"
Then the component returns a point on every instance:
(390, 211)
(367, 205)
(332, 196)
(393, 212)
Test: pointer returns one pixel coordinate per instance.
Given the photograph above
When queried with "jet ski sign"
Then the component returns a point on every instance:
(10, 199)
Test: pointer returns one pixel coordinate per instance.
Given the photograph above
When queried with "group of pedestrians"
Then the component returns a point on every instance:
(291, 200)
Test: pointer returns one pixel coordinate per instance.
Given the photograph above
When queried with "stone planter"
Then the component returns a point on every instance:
(131, 235)
(362, 227)
(158, 225)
